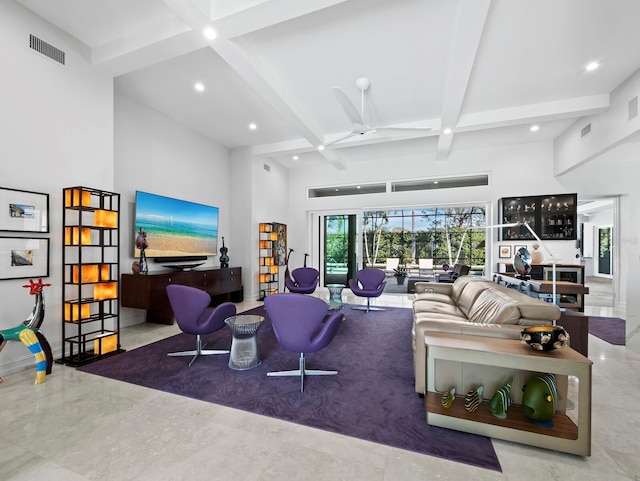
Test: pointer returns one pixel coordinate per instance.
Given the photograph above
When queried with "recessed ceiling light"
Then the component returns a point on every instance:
(210, 33)
(199, 87)
(357, 187)
(435, 181)
(447, 131)
(295, 157)
(253, 126)
(320, 147)
(592, 66)
(534, 128)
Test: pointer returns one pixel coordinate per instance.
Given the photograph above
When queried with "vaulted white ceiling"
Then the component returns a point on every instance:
(487, 69)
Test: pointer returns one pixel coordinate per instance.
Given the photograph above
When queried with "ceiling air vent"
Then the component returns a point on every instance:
(46, 49)
(585, 130)
(266, 167)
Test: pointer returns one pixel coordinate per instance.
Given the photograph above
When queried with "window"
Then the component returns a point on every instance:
(439, 233)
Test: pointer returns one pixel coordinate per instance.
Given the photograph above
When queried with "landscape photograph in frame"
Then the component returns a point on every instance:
(23, 211)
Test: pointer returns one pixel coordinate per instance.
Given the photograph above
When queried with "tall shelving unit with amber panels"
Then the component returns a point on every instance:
(268, 272)
(90, 259)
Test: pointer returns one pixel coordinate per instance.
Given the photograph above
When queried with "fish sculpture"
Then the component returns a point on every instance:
(448, 397)
(540, 399)
(473, 399)
(501, 401)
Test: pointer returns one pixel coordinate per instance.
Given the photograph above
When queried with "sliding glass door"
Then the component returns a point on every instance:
(340, 259)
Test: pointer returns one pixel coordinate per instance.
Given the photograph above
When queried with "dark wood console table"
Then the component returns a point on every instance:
(149, 291)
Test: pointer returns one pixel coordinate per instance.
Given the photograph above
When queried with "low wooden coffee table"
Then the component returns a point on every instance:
(512, 354)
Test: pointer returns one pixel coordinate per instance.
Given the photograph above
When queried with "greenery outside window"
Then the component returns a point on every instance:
(443, 234)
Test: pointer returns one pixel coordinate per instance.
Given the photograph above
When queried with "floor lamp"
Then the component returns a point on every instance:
(544, 246)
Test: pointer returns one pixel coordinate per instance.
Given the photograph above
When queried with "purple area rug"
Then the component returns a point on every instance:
(371, 398)
(609, 329)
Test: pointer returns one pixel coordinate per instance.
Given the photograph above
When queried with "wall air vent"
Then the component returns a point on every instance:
(585, 130)
(633, 108)
(46, 49)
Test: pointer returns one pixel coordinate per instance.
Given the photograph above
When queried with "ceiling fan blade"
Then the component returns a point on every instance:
(349, 108)
(402, 130)
(348, 136)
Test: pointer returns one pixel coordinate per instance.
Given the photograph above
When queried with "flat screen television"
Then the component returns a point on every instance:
(176, 229)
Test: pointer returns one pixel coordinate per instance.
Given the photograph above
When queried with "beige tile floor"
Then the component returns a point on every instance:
(78, 427)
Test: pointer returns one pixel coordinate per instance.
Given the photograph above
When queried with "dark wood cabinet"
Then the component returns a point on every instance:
(149, 292)
(552, 217)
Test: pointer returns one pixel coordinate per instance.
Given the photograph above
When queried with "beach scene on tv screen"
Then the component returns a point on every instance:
(176, 227)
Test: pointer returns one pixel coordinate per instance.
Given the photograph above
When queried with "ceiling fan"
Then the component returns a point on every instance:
(357, 118)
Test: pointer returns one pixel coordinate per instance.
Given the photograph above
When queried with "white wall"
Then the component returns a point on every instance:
(513, 171)
(56, 131)
(155, 154)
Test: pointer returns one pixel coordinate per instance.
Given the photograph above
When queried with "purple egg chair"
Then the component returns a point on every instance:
(369, 283)
(305, 280)
(301, 325)
(194, 316)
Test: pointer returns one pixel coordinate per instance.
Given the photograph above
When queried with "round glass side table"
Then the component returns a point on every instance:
(244, 346)
(335, 296)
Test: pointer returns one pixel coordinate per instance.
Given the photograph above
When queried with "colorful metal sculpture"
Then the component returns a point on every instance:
(28, 333)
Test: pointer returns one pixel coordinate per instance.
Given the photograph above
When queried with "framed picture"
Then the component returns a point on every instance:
(517, 248)
(505, 252)
(23, 257)
(23, 211)
(280, 245)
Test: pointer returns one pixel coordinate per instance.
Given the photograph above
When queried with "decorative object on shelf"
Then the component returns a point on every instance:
(522, 263)
(473, 399)
(135, 267)
(501, 401)
(29, 334)
(448, 397)
(224, 258)
(545, 338)
(504, 252)
(446, 267)
(28, 211)
(91, 274)
(540, 399)
(142, 244)
(536, 256)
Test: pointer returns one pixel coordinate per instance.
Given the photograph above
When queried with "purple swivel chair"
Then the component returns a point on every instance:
(305, 280)
(301, 324)
(369, 283)
(194, 316)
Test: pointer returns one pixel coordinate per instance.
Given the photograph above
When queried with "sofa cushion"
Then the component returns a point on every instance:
(433, 296)
(493, 306)
(436, 308)
(470, 294)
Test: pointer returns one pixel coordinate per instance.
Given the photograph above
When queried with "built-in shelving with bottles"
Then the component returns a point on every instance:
(552, 217)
